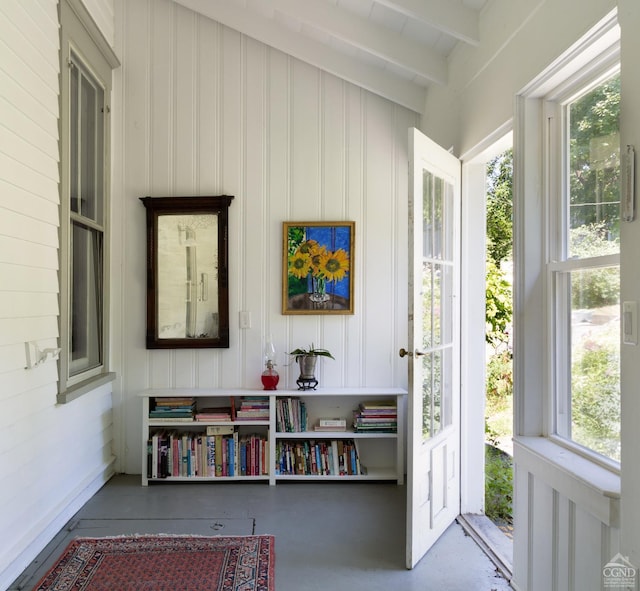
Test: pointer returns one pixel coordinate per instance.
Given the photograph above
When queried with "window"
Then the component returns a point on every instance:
(84, 140)
(86, 215)
(584, 268)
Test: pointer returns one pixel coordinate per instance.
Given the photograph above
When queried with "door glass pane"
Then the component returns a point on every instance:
(445, 303)
(428, 230)
(437, 215)
(437, 289)
(446, 404)
(431, 394)
(428, 279)
(447, 221)
(437, 219)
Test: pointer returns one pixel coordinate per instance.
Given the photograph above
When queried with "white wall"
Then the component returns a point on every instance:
(209, 111)
(46, 474)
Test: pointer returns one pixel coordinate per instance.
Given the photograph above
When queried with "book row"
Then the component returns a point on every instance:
(189, 454)
(337, 457)
(249, 408)
(291, 415)
(378, 416)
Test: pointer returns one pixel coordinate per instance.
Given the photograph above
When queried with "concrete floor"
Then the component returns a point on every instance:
(329, 536)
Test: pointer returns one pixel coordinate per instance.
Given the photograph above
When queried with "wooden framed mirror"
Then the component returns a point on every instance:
(187, 272)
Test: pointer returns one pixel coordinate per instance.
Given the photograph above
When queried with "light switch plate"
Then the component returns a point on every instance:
(245, 319)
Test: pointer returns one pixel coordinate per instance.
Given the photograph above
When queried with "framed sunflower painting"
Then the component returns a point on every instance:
(317, 267)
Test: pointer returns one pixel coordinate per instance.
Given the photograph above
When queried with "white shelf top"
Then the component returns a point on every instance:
(203, 392)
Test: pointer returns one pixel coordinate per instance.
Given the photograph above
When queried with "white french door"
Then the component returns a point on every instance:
(433, 460)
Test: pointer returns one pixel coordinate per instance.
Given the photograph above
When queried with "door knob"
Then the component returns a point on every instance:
(403, 353)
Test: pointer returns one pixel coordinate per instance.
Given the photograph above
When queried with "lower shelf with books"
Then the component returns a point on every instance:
(219, 452)
(337, 455)
(323, 457)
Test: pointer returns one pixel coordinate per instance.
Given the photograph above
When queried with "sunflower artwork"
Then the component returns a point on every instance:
(318, 268)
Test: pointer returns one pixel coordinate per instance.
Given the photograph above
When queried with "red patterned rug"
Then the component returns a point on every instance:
(164, 563)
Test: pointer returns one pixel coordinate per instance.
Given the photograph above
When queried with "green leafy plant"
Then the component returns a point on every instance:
(499, 305)
(311, 351)
(499, 379)
(500, 207)
(498, 485)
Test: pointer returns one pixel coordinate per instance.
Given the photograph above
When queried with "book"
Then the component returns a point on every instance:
(220, 429)
(331, 425)
(332, 422)
(222, 414)
(378, 404)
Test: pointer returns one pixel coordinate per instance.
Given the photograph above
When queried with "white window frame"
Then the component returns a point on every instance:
(601, 68)
(566, 468)
(82, 41)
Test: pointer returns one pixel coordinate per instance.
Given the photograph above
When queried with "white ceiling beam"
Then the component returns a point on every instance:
(367, 36)
(268, 31)
(449, 17)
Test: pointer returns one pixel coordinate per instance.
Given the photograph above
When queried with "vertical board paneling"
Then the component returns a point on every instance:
(278, 150)
(162, 140)
(208, 88)
(305, 142)
(230, 151)
(254, 273)
(566, 547)
(564, 519)
(333, 148)
(136, 111)
(542, 536)
(209, 111)
(587, 568)
(376, 256)
(355, 199)
(184, 130)
(403, 121)
(160, 74)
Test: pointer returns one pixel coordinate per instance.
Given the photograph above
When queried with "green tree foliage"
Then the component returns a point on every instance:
(595, 158)
(595, 400)
(499, 379)
(594, 288)
(498, 316)
(498, 306)
(500, 207)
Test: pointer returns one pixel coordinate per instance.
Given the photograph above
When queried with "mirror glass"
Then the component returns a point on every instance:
(188, 276)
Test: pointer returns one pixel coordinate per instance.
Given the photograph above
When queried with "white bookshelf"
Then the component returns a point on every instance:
(380, 453)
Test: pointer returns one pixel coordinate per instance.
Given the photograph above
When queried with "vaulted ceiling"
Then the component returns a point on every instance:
(395, 48)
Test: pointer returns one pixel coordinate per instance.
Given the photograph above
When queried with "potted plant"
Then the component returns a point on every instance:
(306, 360)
